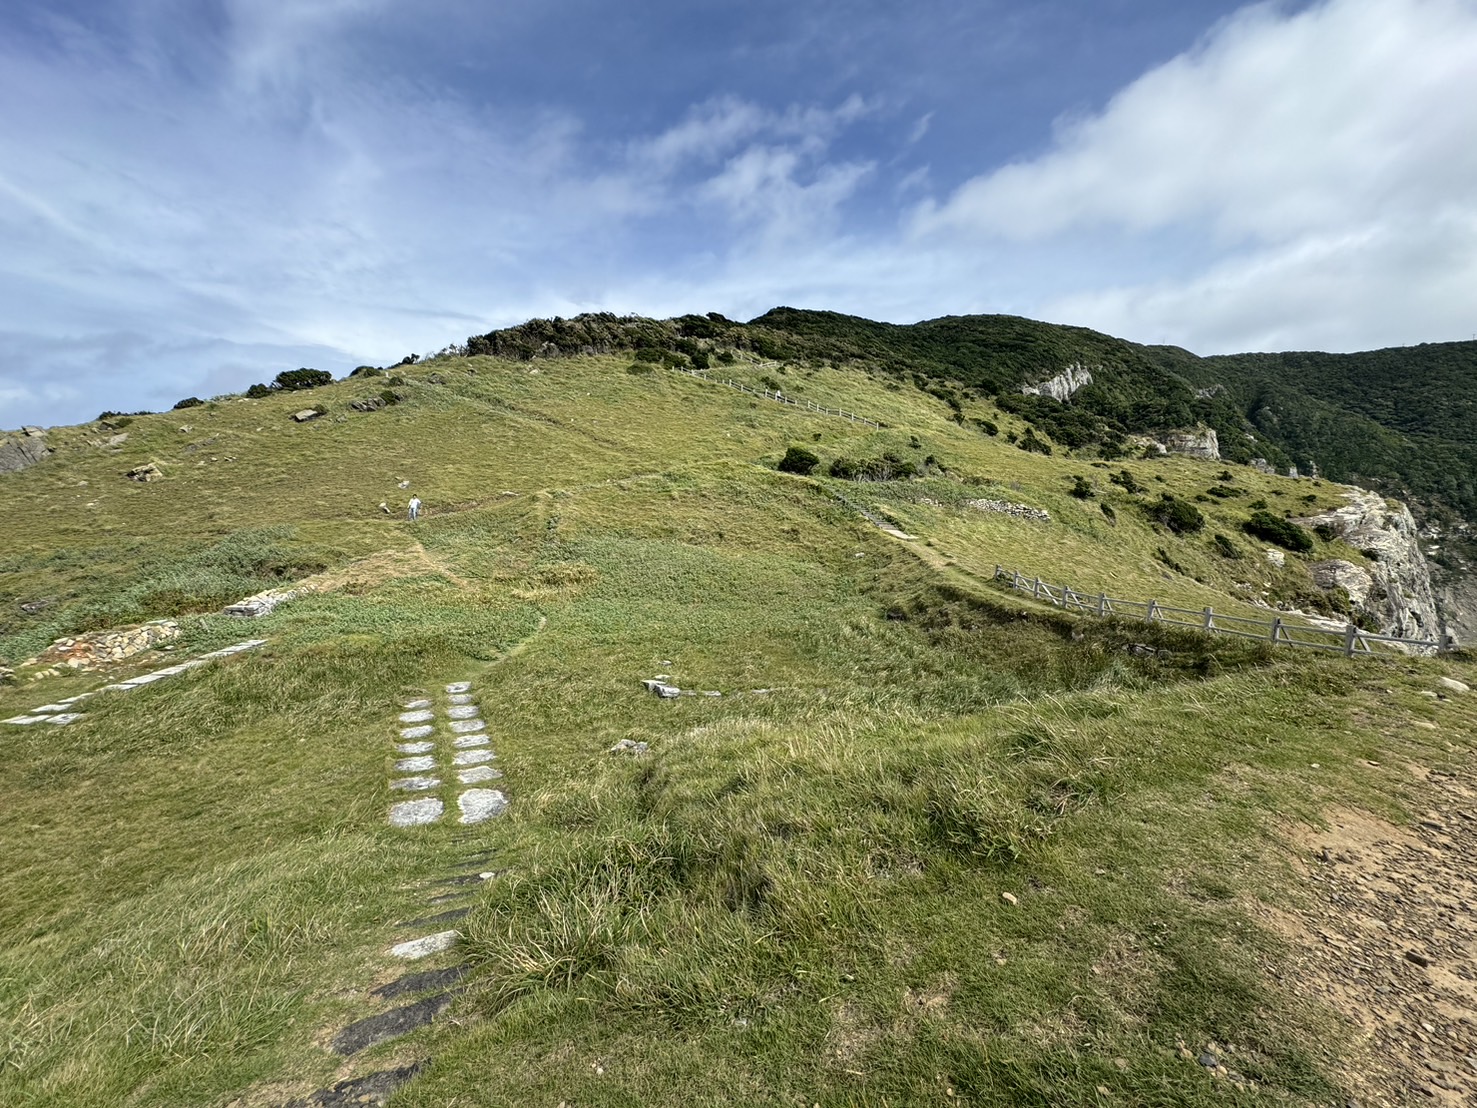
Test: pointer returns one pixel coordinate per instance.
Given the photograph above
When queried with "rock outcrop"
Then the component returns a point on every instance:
(23, 451)
(1399, 595)
(1201, 442)
(103, 647)
(1063, 385)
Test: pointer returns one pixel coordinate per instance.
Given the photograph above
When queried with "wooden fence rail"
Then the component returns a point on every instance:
(778, 397)
(1349, 641)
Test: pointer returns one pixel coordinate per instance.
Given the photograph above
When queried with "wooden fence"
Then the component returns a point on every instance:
(778, 397)
(1347, 641)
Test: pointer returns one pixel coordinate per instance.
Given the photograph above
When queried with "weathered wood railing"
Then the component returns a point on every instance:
(1348, 641)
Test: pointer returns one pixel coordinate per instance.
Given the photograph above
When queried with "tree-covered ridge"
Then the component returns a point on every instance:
(1403, 420)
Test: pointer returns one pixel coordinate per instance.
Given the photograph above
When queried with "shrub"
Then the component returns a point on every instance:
(396, 381)
(189, 402)
(1107, 510)
(1224, 491)
(1286, 534)
(295, 380)
(367, 371)
(258, 390)
(1180, 516)
(1226, 548)
(987, 426)
(1257, 504)
(799, 460)
(1124, 480)
(640, 369)
(1031, 444)
(1082, 488)
(1326, 531)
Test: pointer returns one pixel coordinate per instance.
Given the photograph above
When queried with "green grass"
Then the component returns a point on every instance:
(796, 897)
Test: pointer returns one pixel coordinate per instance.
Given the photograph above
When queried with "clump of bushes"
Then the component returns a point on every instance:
(1180, 516)
(1226, 548)
(295, 380)
(1285, 533)
(799, 460)
(1224, 492)
(889, 467)
(1082, 488)
(1124, 480)
(189, 402)
(1031, 444)
(987, 426)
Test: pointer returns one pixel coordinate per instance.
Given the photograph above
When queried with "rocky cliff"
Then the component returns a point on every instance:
(1395, 589)
(1063, 385)
(25, 450)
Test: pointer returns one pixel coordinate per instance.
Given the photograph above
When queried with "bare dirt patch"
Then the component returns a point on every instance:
(1389, 942)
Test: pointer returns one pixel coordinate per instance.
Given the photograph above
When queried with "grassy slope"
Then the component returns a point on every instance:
(796, 897)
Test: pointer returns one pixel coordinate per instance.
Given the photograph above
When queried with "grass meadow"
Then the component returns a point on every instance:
(958, 850)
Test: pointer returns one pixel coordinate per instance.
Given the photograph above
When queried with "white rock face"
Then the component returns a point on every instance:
(1202, 442)
(1400, 595)
(1063, 385)
(1338, 573)
(1275, 556)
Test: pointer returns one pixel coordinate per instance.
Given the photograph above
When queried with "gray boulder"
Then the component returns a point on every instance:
(23, 452)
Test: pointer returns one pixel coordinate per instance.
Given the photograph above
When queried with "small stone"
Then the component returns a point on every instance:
(1416, 958)
(416, 765)
(416, 717)
(1209, 1060)
(1453, 684)
(413, 813)
(467, 726)
(478, 773)
(1009, 898)
(417, 732)
(306, 414)
(481, 804)
(415, 784)
(627, 746)
(426, 946)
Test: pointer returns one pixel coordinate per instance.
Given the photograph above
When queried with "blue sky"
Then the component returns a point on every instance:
(196, 195)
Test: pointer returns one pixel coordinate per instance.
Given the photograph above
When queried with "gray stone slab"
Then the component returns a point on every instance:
(390, 1025)
(471, 757)
(463, 711)
(371, 1091)
(47, 709)
(421, 716)
(63, 718)
(412, 705)
(425, 946)
(478, 773)
(413, 813)
(145, 679)
(459, 687)
(481, 804)
(415, 784)
(467, 726)
(465, 742)
(417, 732)
(414, 748)
(459, 698)
(26, 721)
(416, 765)
(425, 981)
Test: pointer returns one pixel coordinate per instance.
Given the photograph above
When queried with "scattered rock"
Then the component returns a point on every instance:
(406, 485)
(306, 414)
(1005, 507)
(368, 404)
(627, 746)
(1199, 443)
(1208, 1060)
(264, 603)
(1453, 684)
(101, 648)
(147, 472)
(1009, 898)
(22, 453)
(1275, 557)
(664, 691)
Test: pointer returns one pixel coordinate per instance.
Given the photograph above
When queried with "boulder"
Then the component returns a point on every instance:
(146, 472)
(368, 404)
(22, 453)
(1202, 442)
(305, 415)
(1453, 685)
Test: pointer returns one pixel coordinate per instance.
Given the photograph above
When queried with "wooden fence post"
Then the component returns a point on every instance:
(1149, 612)
(1036, 589)
(1209, 624)
(1102, 603)
(1350, 633)
(1276, 628)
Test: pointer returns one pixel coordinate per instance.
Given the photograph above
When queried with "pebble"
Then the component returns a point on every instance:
(1009, 898)
(481, 804)
(413, 813)
(424, 947)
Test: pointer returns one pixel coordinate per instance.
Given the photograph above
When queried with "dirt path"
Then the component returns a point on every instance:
(1390, 942)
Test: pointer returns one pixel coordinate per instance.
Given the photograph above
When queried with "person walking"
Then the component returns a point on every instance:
(415, 508)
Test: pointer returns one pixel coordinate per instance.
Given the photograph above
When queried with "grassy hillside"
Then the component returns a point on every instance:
(798, 895)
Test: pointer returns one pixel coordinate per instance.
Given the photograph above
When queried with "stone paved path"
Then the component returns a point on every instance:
(66, 711)
(424, 756)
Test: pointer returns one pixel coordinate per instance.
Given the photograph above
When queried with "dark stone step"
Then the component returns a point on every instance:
(422, 982)
(390, 1025)
(440, 917)
(373, 1090)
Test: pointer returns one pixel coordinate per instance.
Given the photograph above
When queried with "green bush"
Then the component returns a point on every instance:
(258, 390)
(1286, 534)
(189, 402)
(367, 371)
(1082, 488)
(799, 460)
(1124, 480)
(1180, 516)
(1031, 444)
(295, 380)
(1326, 531)
(1226, 548)
(1107, 510)
(987, 426)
